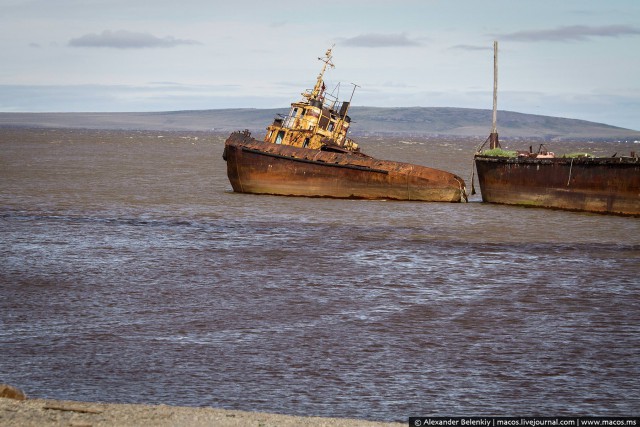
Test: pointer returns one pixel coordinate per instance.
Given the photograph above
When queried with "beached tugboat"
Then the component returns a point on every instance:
(577, 182)
(308, 153)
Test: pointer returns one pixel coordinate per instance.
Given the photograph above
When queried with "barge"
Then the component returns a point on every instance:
(608, 185)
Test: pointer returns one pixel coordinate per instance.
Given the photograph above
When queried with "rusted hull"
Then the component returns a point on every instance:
(265, 168)
(602, 185)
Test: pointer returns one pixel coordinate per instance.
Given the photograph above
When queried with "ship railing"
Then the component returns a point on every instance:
(328, 101)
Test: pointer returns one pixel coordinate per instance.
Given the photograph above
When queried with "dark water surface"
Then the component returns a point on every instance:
(129, 272)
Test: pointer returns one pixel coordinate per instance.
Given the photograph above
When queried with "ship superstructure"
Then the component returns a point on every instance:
(318, 121)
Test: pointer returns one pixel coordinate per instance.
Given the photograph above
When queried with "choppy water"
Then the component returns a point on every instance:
(129, 272)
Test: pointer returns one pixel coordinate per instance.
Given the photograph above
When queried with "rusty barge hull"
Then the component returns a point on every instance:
(603, 185)
(264, 168)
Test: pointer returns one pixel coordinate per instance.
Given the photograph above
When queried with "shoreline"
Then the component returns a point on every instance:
(51, 412)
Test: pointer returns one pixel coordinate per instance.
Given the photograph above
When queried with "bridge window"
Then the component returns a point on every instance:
(280, 137)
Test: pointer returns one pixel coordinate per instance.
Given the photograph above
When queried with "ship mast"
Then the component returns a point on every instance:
(493, 137)
(317, 90)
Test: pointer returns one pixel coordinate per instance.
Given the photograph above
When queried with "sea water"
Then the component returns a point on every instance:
(130, 272)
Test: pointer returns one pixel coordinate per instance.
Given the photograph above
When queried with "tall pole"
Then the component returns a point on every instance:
(494, 129)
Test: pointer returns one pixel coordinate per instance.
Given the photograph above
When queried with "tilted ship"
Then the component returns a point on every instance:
(308, 153)
(609, 185)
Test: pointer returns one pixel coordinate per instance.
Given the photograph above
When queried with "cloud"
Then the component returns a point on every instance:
(380, 40)
(570, 33)
(127, 40)
(470, 47)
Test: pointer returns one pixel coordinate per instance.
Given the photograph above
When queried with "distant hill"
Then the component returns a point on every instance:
(409, 121)
(475, 122)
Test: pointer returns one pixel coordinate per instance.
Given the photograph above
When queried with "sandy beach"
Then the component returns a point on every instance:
(44, 412)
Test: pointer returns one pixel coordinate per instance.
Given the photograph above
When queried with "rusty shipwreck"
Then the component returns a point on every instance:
(578, 182)
(308, 153)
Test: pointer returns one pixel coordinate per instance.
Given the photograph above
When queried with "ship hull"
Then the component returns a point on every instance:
(264, 168)
(602, 185)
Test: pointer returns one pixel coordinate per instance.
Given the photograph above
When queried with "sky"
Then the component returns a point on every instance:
(564, 58)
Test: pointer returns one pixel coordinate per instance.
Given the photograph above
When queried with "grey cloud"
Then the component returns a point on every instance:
(380, 40)
(470, 47)
(570, 33)
(127, 40)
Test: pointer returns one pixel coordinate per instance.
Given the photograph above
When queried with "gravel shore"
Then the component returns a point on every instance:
(44, 412)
